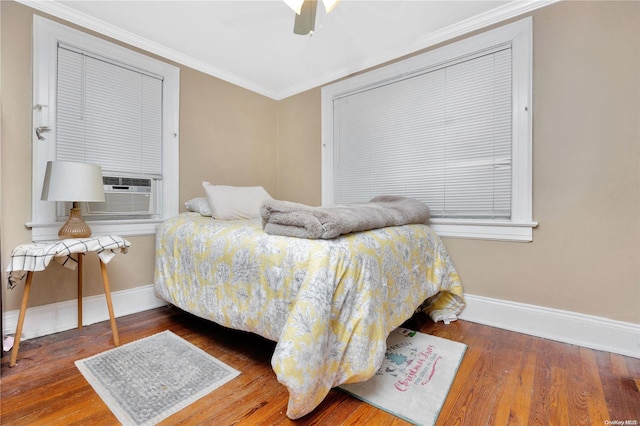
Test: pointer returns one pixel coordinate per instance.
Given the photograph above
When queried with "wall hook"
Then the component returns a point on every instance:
(42, 129)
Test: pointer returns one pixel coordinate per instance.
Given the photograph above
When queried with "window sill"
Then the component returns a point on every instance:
(49, 231)
(484, 230)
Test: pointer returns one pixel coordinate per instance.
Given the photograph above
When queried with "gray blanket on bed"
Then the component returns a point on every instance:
(302, 221)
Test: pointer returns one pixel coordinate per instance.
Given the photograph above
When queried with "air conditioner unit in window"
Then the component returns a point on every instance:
(124, 196)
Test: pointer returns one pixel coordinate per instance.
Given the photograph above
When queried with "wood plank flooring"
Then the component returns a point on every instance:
(505, 379)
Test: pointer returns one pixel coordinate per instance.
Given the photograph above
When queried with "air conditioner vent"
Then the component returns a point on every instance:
(125, 181)
(124, 196)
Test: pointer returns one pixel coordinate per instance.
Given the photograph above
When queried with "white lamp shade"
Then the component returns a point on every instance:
(71, 181)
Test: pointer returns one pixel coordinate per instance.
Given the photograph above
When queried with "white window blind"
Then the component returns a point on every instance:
(103, 102)
(108, 114)
(441, 135)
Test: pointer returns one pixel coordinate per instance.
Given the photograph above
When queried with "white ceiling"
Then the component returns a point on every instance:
(251, 43)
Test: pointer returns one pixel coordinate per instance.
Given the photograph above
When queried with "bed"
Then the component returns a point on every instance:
(329, 304)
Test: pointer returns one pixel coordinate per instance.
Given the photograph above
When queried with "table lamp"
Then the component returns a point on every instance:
(75, 182)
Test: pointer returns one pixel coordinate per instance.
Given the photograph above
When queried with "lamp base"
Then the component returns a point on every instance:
(75, 226)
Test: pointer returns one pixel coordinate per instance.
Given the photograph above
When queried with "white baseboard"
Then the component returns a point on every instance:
(568, 327)
(56, 317)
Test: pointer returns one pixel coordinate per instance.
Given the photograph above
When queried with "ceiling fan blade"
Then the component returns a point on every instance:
(305, 22)
(329, 5)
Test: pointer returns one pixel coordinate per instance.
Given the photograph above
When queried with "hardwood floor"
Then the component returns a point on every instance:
(505, 379)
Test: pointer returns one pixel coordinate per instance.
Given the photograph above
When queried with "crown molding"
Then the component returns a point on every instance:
(502, 13)
(508, 11)
(54, 8)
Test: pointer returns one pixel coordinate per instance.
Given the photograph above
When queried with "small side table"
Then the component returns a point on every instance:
(29, 258)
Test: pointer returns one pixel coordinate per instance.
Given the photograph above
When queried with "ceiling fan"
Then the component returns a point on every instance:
(305, 21)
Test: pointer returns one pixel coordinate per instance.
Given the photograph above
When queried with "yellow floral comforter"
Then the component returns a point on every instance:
(330, 304)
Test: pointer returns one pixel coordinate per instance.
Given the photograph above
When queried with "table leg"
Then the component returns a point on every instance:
(23, 310)
(80, 256)
(107, 293)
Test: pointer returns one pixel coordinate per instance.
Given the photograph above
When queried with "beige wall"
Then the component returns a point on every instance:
(585, 254)
(586, 251)
(299, 148)
(227, 136)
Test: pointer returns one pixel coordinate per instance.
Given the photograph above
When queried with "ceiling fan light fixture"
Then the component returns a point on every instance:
(329, 5)
(305, 19)
(305, 23)
(296, 5)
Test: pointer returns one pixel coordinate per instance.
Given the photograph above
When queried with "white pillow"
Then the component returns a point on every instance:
(199, 205)
(235, 202)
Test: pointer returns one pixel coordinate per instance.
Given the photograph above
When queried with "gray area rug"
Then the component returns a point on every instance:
(146, 381)
(415, 376)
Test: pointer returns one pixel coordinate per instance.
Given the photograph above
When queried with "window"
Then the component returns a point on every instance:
(100, 103)
(451, 127)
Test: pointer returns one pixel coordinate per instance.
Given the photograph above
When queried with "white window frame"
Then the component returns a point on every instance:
(46, 36)
(519, 35)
